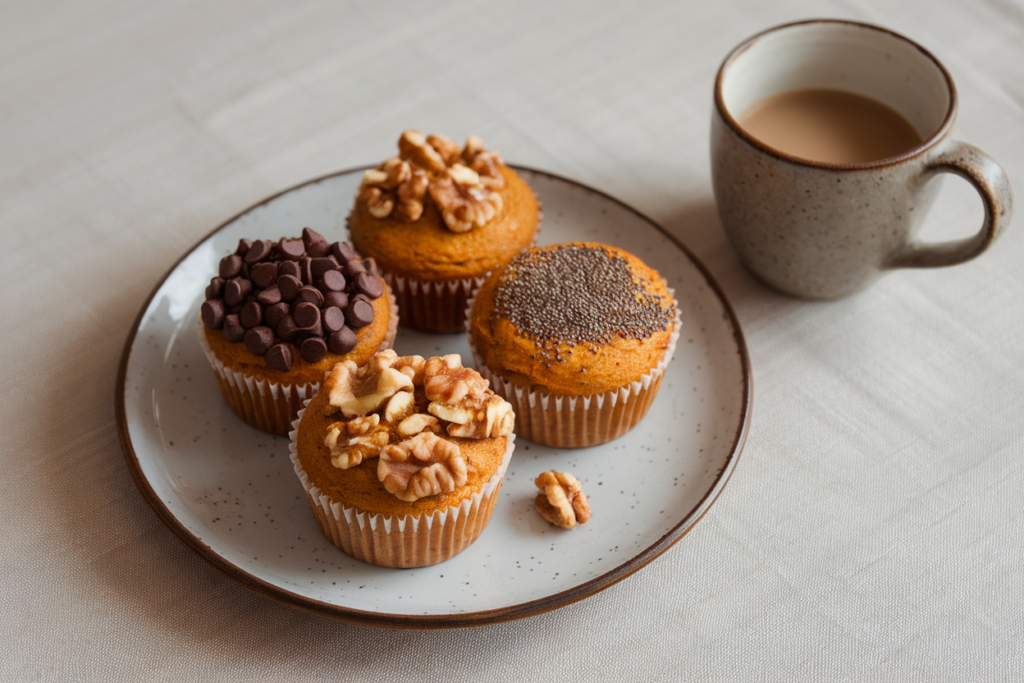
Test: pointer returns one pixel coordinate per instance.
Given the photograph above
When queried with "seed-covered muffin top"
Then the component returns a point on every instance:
(574, 319)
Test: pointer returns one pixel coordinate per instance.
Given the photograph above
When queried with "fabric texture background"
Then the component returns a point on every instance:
(873, 527)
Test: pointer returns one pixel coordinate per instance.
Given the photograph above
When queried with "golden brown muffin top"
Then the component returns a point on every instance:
(573, 319)
(372, 439)
(436, 212)
(235, 356)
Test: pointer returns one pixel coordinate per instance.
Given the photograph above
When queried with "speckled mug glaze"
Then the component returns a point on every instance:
(819, 230)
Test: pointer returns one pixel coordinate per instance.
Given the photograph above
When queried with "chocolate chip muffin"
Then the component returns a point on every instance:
(438, 218)
(402, 458)
(279, 315)
(577, 337)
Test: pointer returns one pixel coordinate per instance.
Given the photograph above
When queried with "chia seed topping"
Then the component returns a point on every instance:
(575, 293)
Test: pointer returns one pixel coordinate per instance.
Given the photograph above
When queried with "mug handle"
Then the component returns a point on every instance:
(989, 179)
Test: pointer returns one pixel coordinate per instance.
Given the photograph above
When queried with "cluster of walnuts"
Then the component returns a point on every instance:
(394, 407)
(461, 182)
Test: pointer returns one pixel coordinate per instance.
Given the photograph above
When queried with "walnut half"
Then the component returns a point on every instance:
(562, 502)
(356, 440)
(461, 397)
(358, 390)
(424, 465)
(463, 199)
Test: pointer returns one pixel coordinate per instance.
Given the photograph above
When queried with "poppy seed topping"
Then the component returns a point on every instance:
(576, 293)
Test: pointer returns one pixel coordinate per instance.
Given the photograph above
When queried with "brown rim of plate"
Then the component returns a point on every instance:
(921, 148)
(438, 621)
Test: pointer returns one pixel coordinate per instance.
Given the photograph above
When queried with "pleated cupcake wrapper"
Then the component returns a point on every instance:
(272, 406)
(578, 421)
(406, 541)
(440, 306)
(433, 306)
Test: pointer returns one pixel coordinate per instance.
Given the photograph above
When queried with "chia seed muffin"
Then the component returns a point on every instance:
(279, 315)
(402, 458)
(438, 219)
(577, 338)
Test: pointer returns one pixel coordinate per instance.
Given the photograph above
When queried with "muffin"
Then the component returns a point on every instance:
(279, 315)
(438, 219)
(576, 337)
(402, 458)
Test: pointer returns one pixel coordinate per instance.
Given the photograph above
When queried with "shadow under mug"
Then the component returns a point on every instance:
(821, 230)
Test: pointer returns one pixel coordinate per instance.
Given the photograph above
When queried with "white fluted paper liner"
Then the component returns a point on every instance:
(272, 406)
(578, 421)
(433, 306)
(407, 541)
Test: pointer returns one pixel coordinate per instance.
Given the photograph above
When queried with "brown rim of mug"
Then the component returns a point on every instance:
(436, 621)
(923, 146)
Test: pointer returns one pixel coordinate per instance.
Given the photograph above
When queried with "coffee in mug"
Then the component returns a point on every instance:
(833, 126)
(829, 189)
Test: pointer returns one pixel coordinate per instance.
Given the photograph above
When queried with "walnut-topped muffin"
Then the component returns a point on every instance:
(402, 457)
(438, 218)
(577, 337)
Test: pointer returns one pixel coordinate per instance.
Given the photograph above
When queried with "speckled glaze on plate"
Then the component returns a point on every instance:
(230, 493)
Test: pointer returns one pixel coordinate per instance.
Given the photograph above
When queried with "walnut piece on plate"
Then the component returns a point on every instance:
(562, 502)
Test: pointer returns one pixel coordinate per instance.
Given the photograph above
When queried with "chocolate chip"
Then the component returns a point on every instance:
(342, 341)
(354, 268)
(359, 313)
(316, 244)
(289, 285)
(259, 339)
(272, 314)
(333, 319)
(236, 290)
(251, 315)
(291, 250)
(230, 266)
(286, 327)
(313, 349)
(333, 281)
(279, 357)
(243, 246)
(306, 275)
(306, 314)
(336, 299)
(371, 265)
(269, 296)
(215, 289)
(289, 268)
(236, 309)
(301, 333)
(344, 252)
(259, 250)
(264, 274)
(320, 265)
(233, 330)
(369, 285)
(310, 294)
(213, 313)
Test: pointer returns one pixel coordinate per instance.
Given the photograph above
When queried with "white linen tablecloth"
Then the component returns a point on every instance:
(873, 528)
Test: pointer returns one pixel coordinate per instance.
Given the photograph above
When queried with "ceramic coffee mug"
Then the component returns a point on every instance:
(820, 230)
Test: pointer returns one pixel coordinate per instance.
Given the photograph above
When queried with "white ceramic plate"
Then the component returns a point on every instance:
(229, 491)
